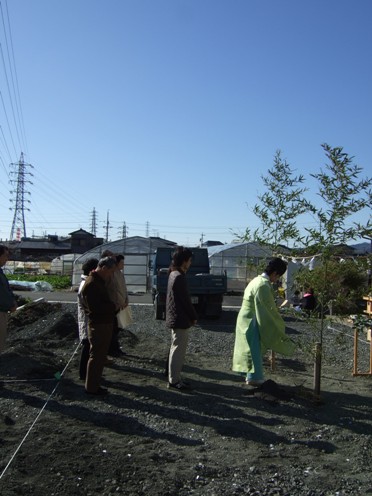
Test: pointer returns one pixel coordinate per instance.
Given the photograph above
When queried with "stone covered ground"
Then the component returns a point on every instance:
(222, 438)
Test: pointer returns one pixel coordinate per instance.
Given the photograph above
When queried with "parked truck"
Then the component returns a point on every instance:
(206, 289)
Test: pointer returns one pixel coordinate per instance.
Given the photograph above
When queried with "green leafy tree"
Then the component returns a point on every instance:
(279, 206)
(343, 194)
(345, 285)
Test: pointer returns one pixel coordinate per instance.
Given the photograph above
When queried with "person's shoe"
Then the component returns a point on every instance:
(108, 362)
(100, 392)
(255, 383)
(181, 386)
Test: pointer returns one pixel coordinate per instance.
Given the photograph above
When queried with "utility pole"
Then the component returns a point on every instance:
(21, 173)
(93, 225)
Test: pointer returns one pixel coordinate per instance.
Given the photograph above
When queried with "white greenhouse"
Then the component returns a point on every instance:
(138, 252)
(239, 261)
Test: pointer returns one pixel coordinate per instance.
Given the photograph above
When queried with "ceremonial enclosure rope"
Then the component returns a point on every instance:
(58, 376)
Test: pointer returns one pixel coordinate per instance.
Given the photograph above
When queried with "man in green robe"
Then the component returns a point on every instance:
(259, 326)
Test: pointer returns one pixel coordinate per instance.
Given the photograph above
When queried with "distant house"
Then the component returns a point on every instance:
(82, 241)
(40, 248)
(51, 246)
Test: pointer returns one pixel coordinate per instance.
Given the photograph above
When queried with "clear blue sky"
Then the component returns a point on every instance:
(168, 112)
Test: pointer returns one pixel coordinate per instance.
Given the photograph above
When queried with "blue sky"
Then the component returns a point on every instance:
(164, 114)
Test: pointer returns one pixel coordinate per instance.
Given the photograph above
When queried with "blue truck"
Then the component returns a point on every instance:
(206, 289)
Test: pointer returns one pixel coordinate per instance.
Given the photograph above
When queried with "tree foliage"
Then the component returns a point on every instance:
(280, 205)
(343, 194)
(344, 287)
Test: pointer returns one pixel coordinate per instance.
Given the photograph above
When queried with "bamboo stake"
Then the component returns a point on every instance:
(317, 368)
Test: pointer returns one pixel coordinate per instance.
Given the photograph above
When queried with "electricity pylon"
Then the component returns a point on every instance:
(93, 225)
(21, 173)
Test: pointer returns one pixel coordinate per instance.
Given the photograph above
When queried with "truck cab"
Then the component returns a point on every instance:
(206, 289)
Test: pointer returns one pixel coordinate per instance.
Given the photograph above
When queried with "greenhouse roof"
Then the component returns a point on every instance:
(135, 245)
(241, 249)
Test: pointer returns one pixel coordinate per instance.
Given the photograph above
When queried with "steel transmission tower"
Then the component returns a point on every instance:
(93, 225)
(123, 231)
(21, 173)
(107, 226)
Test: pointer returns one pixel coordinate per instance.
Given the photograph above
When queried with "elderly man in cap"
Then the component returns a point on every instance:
(101, 311)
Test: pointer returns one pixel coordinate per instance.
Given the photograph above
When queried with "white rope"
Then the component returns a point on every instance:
(28, 432)
(348, 335)
(11, 381)
(58, 376)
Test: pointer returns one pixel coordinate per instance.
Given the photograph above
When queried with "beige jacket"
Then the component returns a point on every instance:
(117, 290)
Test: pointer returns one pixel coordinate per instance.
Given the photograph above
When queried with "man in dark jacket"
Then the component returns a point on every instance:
(7, 300)
(101, 311)
(180, 315)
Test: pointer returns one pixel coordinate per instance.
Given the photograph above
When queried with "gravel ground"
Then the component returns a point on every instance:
(223, 438)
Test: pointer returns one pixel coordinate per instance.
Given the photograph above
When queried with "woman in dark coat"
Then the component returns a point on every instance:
(180, 315)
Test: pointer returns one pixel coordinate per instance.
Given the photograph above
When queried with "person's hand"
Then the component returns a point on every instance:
(13, 309)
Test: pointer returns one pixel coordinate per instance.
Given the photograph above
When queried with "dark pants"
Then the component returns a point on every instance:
(114, 344)
(84, 357)
(99, 339)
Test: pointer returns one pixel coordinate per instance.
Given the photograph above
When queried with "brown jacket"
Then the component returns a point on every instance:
(96, 300)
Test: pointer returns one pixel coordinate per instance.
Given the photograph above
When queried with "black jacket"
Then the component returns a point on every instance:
(180, 312)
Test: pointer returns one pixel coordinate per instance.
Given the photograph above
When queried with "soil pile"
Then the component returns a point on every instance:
(222, 438)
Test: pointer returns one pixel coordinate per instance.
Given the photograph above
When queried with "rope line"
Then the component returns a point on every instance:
(348, 335)
(11, 381)
(58, 377)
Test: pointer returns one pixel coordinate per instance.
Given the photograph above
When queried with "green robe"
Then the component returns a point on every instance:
(259, 313)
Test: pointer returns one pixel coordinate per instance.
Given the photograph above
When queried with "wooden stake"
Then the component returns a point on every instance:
(272, 360)
(355, 370)
(317, 368)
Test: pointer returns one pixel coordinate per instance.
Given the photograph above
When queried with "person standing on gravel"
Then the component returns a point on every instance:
(119, 293)
(88, 267)
(101, 311)
(7, 300)
(117, 289)
(259, 326)
(180, 315)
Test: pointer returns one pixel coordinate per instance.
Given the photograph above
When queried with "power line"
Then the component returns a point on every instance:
(7, 120)
(16, 89)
